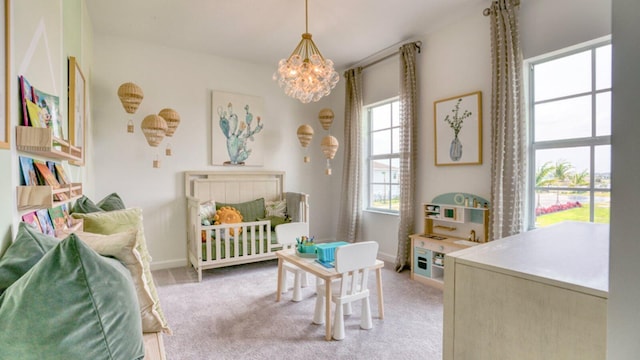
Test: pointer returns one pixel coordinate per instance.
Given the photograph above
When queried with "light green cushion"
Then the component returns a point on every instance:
(65, 307)
(111, 202)
(26, 250)
(84, 205)
(117, 221)
(250, 210)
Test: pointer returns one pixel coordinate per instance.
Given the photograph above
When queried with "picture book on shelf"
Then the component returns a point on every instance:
(36, 115)
(50, 107)
(29, 176)
(48, 178)
(45, 222)
(61, 174)
(32, 219)
(57, 218)
(26, 94)
(67, 218)
(52, 168)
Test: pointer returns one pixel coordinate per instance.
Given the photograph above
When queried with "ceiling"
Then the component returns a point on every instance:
(264, 31)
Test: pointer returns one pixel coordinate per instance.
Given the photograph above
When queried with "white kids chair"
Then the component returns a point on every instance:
(353, 262)
(286, 235)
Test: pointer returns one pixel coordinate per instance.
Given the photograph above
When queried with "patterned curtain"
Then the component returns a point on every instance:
(408, 114)
(508, 154)
(350, 207)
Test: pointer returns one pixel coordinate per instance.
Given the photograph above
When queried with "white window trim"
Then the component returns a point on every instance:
(368, 150)
(591, 142)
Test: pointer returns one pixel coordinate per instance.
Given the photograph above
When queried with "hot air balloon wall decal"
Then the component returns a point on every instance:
(131, 96)
(154, 127)
(305, 134)
(329, 147)
(325, 117)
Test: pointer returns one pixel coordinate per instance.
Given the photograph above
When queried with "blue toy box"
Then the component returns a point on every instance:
(326, 251)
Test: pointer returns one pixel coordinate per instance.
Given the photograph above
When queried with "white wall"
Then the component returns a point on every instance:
(184, 81)
(39, 32)
(624, 289)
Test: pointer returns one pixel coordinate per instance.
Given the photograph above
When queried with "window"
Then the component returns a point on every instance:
(383, 158)
(570, 136)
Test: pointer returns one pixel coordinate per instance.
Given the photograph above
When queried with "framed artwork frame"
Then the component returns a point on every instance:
(236, 129)
(77, 108)
(5, 133)
(458, 130)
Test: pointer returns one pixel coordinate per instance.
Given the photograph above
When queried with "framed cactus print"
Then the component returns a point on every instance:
(458, 130)
(237, 122)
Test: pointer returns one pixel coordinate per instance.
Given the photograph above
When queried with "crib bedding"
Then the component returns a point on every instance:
(218, 238)
(223, 252)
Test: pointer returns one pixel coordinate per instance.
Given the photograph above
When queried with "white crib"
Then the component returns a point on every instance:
(211, 246)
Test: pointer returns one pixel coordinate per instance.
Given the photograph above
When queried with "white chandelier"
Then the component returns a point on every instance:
(306, 75)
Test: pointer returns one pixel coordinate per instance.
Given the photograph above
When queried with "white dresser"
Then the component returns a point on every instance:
(541, 294)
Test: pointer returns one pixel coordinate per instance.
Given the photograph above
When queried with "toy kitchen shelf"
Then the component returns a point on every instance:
(451, 223)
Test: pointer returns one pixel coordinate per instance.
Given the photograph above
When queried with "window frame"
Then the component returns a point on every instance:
(591, 142)
(369, 158)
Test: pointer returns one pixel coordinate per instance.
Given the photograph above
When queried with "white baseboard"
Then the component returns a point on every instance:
(387, 257)
(168, 264)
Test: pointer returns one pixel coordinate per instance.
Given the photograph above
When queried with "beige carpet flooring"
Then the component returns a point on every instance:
(232, 314)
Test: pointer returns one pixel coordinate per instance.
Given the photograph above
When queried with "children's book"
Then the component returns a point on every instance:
(45, 222)
(29, 176)
(26, 94)
(52, 167)
(48, 178)
(57, 218)
(61, 174)
(36, 115)
(67, 218)
(32, 219)
(50, 104)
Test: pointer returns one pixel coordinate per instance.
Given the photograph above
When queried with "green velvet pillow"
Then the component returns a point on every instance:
(112, 222)
(84, 205)
(65, 307)
(111, 202)
(26, 250)
(122, 246)
(250, 210)
(277, 220)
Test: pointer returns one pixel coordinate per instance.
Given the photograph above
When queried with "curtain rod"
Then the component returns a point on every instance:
(487, 11)
(417, 44)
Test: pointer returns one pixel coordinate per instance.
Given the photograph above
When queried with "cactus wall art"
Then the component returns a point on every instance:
(236, 125)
